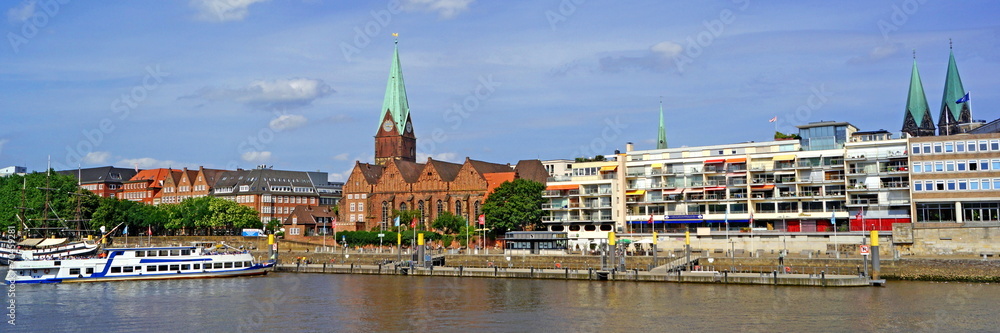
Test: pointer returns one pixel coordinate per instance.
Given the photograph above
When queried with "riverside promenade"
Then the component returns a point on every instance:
(659, 274)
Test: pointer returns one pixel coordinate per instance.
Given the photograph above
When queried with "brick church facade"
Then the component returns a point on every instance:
(397, 182)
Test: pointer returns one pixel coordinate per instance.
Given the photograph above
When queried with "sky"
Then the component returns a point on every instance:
(297, 84)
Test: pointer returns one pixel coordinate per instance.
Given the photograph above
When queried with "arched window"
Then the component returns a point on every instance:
(440, 207)
(420, 207)
(385, 212)
(458, 208)
(475, 209)
(402, 206)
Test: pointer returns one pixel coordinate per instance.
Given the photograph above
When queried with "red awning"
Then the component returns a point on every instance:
(737, 160)
(714, 161)
(676, 191)
(717, 188)
(762, 187)
(562, 187)
(692, 190)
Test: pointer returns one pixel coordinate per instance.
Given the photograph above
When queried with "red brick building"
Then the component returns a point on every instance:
(145, 186)
(185, 184)
(397, 182)
(103, 181)
(308, 220)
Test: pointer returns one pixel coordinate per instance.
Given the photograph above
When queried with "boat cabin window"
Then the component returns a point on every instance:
(164, 253)
(140, 253)
(90, 270)
(116, 269)
(175, 253)
(138, 268)
(185, 252)
(228, 265)
(74, 271)
(175, 267)
(197, 266)
(151, 253)
(217, 265)
(58, 262)
(247, 264)
(163, 268)
(185, 267)
(151, 268)
(238, 264)
(127, 269)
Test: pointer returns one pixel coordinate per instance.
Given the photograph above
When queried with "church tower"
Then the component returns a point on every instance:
(661, 138)
(953, 114)
(917, 119)
(394, 138)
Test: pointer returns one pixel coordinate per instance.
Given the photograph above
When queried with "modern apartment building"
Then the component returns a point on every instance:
(956, 178)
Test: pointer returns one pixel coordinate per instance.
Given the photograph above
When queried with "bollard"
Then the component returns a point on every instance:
(379, 268)
(590, 273)
(461, 269)
(495, 270)
(324, 267)
(532, 274)
(775, 274)
(567, 273)
(822, 276)
(352, 268)
(725, 276)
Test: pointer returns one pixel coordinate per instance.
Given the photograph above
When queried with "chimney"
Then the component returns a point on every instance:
(628, 147)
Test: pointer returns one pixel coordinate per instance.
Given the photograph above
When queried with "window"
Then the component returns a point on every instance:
(937, 147)
(994, 145)
(983, 146)
(140, 253)
(385, 212)
(458, 208)
(402, 206)
(984, 184)
(970, 145)
(996, 183)
(963, 185)
(361, 206)
(228, 265)
(127, 269)
(217, 265)
(364, 195)
(420, 207)
(951, 185)
(984, 165)
(175, 267)
(186, 267)
(918, 168)
(352, 218)
(940, 185)
(352, 206)
(164, 253)
(116, 269)
(973, 184)
(949, 147)
(175, 253)
(74, 271)
(915, 148)
(185, 252)
(151, 268)
(959, 147)
(440, 207)
(918, 186)
(929, 185)
(995, 165)
(949, 166)
(938, 166)
(961, 166)
(163, 268)
(927, 148)
(293, 231)
(475, 209)
(196, 266)
(973, 166)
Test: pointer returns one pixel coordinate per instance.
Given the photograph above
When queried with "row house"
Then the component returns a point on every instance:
(145, 186)
(274, 194)
(185, 184)
(106, 181)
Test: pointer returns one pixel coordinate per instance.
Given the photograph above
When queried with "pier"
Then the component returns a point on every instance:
(776, 278)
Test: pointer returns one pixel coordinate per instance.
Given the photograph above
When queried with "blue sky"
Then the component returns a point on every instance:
(298, 84)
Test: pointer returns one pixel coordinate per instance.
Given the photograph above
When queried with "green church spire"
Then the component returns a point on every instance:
(917, 119)
(953, 114)
(661, 141)
(395, 101)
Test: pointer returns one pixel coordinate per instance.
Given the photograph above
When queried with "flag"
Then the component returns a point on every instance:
(963, 99)
(482, 219)
(413, 223)
(650, 218)
(773, 119)
(125, 231)
(150, 229)
(833, 219)
(395, 34)
(397, 221)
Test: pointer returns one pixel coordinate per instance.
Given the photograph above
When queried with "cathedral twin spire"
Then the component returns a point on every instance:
(955, 107)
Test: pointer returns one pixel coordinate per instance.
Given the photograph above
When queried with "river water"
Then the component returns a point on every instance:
(289, 302)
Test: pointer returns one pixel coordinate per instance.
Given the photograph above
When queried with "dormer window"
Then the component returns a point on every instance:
(244, 188)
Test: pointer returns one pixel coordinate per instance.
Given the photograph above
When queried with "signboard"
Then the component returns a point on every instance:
(253, 232)
(381, 235)
(865, 250)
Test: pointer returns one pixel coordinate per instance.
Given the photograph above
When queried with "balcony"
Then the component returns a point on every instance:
(598, 192)
(573, 192)
(550, 206)
(551, 193)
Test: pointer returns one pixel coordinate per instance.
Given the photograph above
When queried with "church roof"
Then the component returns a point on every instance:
(916, 100)
(661, 138)
(953, 91)
(532, 169)
(446, 170)
(487, 167)
(395, 95)
(371, 172)
(409, 170)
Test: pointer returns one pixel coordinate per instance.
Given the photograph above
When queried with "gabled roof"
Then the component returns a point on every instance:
(155, 177)
(261, 180)
(487, 167)
(395, 95)
(532, 169)
(212, 175)
(446, 170)
(409, 170)
(371, 172)
(100, 174)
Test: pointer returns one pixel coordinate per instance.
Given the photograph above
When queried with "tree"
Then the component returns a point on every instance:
(405, 217)
(448, 223)
(61, 197)
(515, 205)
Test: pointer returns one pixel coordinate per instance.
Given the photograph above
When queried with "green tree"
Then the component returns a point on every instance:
(515, 205)
(448, 223)
(62, 198)
(405, 217)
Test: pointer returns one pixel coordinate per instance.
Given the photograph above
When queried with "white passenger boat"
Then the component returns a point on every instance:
(153, 263)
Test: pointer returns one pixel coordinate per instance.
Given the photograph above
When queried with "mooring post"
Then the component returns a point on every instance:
(875, 261)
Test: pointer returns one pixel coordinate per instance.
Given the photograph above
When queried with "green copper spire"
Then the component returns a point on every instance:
(917, 119)
(661, 141)
(953, 113)
(395, 94)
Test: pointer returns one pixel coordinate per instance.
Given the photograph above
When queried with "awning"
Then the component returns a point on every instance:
(609, 168)
(692, 190)
(736, 174)
(657, 165)
(717, 188)
(636, 192)
(788, 157)
(562, 187)
(675, 191)
(762, 188)
(736, 160)
(715, 161)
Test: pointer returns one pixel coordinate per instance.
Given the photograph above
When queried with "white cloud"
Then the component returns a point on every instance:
(448, 157)
(287, 121)
(256, 156)
(21, 13)
(341, 157)
(667, 49)
(271, 95)
(97, 157)
(445, 8)
(223, 10)
(877, 53)
(152, 163)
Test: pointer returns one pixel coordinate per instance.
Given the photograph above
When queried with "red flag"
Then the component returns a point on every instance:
(773, 119)
(650, 218)
(482, 219)
(150, 230)
(413, 223)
